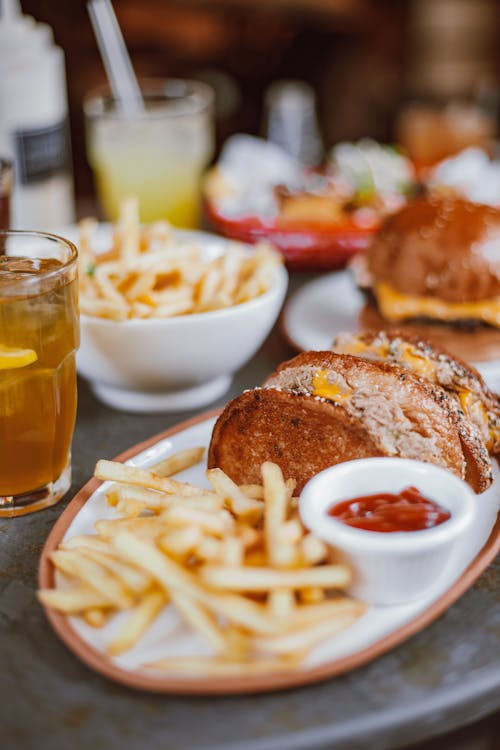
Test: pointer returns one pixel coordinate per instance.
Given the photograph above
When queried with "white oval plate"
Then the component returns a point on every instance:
(380, 629)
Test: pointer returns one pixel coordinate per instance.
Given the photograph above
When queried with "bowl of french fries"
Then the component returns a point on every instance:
(167, 316)
(182, 587)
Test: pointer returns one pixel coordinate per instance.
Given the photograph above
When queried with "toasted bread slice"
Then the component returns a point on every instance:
(322, 408)
(426, 359)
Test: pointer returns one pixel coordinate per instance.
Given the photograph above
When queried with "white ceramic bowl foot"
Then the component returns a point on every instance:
(168, 401)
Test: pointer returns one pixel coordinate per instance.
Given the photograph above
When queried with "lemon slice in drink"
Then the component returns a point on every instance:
(11, 358)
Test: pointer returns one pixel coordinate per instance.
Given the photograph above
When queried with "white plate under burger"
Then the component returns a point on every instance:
(330, 305)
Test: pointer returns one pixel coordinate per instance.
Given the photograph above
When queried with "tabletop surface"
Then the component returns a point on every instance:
(442, 678)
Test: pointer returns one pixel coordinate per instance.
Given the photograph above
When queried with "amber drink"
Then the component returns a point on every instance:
(38, 342)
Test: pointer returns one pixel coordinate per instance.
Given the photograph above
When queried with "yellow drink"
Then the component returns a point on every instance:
(167, 189)
(38, 341)
(158, 154)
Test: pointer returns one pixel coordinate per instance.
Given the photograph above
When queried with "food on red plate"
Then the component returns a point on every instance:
(360, 183)
(427, 360)
(434, 269)
(321, 408)
(317, 218)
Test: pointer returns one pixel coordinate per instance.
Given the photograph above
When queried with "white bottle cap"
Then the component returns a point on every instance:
(21, 38)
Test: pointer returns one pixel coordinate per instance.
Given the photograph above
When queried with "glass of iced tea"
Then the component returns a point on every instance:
(39, 335)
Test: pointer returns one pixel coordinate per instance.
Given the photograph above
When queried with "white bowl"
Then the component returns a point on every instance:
(183, 362)
(389, 567)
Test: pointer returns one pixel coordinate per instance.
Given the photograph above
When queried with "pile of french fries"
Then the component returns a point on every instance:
(150, 272)
(236, 562)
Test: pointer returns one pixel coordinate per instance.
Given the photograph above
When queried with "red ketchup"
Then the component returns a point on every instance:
(408, 510)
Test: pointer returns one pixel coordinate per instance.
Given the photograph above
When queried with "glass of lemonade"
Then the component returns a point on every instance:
(158, 155)
(39, 335)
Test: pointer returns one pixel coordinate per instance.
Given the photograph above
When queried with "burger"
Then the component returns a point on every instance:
(323, 408)
(461, 381)
(433, 269)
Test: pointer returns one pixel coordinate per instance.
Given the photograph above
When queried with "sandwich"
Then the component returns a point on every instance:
(461, 381)
(323, 408)
(433, 269)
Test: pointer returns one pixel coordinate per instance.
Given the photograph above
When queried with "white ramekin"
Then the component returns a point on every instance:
(395, 567)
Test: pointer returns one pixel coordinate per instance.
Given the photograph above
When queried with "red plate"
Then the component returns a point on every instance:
(317, 247)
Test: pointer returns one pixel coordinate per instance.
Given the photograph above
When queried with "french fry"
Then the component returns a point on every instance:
(85, 540)
(181, 542)
(159, 501)
(139, 285)
(254, 491)
(147, 527)
(280, 551)
(305, 615)
(138, 621)
(265, 579)
(135, 580)
(172, 577)
(276, 496)
(201, 620)
(103, 308)
(217, 524)
(72, 601)
(116, 472)
(92, 574)
(210, 550)
(311, 595)
(232, 551)
(239, 503)
(151, 272)
(107, 289)
(126, 507)
(250, 537)
(129, 228)
(304, 639)
(96, 618)
(290, 532)
(178, 462)
(313, 550)
(235, 561)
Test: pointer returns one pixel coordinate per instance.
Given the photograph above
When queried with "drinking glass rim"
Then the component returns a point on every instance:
(199, 95)
(4, 233)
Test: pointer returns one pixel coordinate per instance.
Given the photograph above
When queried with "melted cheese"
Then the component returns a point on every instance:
(417, 362)
(323, 388)
(407, 354)
(396, 306)
(476, 412)
(356, 346)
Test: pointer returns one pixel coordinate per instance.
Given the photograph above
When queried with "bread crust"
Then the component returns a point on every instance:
(439, 247)
(299, 433)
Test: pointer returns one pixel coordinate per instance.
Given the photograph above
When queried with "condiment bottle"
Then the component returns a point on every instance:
(34, 121)
(292, 122)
